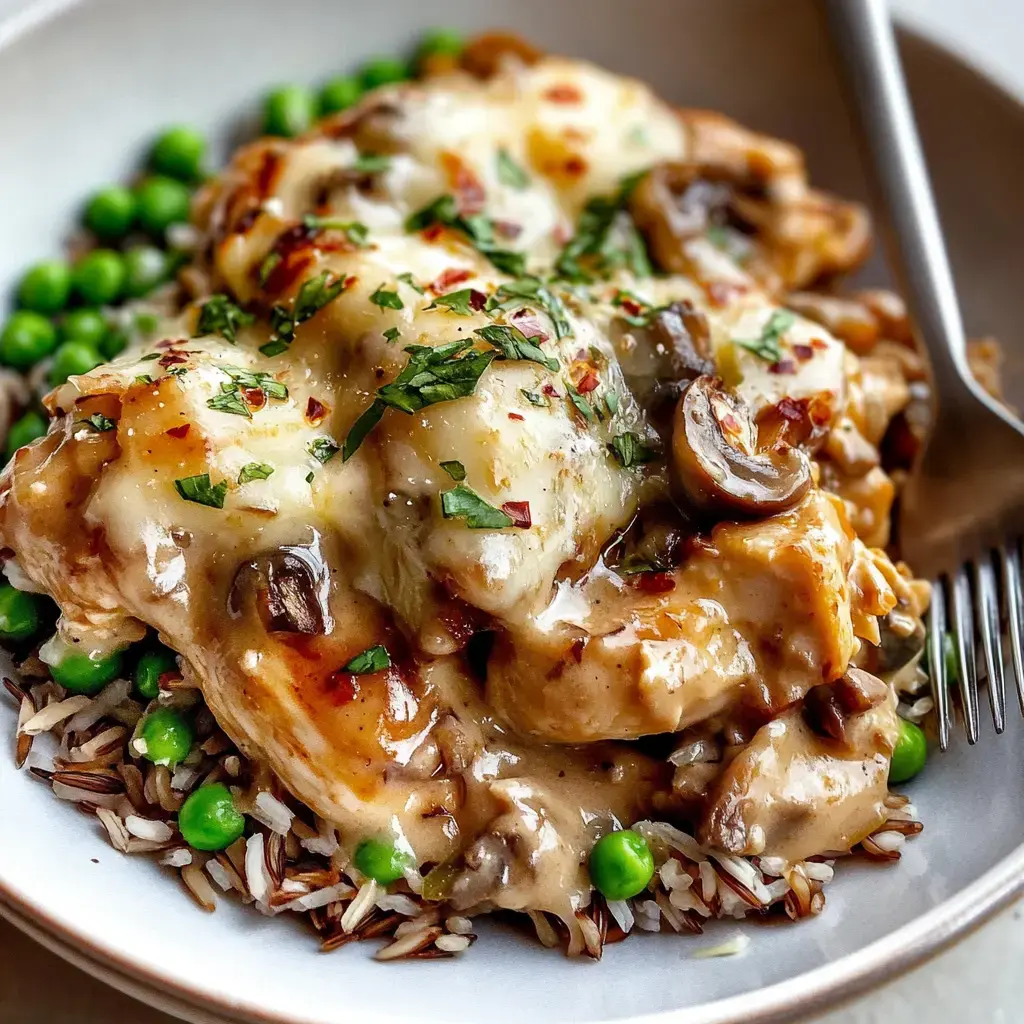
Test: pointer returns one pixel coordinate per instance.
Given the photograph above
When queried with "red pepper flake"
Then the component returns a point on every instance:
(465, 184)
(562, 234)
(448, 279)
(730, 422)
(721, 293)
(173, 359)
(477, 300)
(578, 647)
(654, 582)
(588, 382)
(564, 92)
(575, 167)
(255, 398)
(508, 228)
(515, 416)
(630, 305)
(519, 513)
(819, 343)
(178, 432)
(433, 232)
(315, 410)
(792, 409)
(343, 687)
(783, 366)
(803, 352)
(166, 678)
(529, 325)
(170, 343)
(549, 390)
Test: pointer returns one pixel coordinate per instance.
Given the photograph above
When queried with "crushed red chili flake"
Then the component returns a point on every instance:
(255, 398)
(819, 343)
(803, 352)
(515, 416)
(343, 687)
(575, 167)
(783, 366)
(448, 279)
(166, 678)
(519, 513)
(465, 184)
(588, 382)
(433, 232)
(173, 359)
(721, 293)
(549, 390)
(529, 325)
(630, 305)
(315, 410)
(178, 432)
(578, 647)
(730, 423)
(564, 92)
(170, 343)
(508, 228)
(477, 300)
(653, 582)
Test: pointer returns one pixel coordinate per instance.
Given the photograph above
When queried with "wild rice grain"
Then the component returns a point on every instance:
(199, 886)
(360, 906)
(54, 714)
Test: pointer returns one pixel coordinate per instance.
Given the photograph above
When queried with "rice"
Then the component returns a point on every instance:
(268, 810)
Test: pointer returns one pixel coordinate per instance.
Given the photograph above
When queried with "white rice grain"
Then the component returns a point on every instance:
(108, 699)
(459, 925)
(818, 872)
(115, 829)
(183, 777)
(364, 902)
(776, 867)
(731, 947)
(673, 875)
(268, 810)
(452, 943)
(148, 828)
(321, 897)
(708, 881)
(177, 858)
(889, 841)
(219, 874)
(399, 903)
(54, 714)
(620, 910)
(686, 845)
(257, 877)
(648, 920)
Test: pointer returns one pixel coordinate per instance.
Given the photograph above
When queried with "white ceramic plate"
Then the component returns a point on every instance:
(85, 86)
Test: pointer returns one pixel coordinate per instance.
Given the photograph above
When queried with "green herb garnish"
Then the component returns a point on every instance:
(392, 334)
(531, 290)
(254, 471)
(460, 302)
(629, 449)
(98, 422)
(371, 163)
(198, 489)
(767, 345)
(219, 315)
(230, 400)
(386, 299)
(374, 659)
(256, 379)
(534, 399)
(323, 449)
(513, 344)
(408, 279)
(584, 407)
(355, 231)
(510, 173)
(456, 470)
(462, 502)
(313, 296)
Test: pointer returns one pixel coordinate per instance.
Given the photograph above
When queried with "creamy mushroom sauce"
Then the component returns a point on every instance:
(442, 750)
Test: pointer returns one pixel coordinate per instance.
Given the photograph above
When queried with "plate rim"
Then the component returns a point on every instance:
(796, 998)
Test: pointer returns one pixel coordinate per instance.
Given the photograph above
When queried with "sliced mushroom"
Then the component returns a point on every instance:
(289, 588)
(829, 707)
(486, 868)
(714, 475)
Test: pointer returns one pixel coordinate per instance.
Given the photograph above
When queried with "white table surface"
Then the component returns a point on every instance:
(978, 982)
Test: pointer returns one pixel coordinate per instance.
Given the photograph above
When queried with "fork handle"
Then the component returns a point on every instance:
(862, 34)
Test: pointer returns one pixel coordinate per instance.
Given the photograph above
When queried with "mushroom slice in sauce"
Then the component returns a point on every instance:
(290, 589)
(714, 475)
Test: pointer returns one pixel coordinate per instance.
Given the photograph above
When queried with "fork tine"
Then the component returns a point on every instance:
(986, 609)
(937, 660)
(1010, 558)
(963, 630)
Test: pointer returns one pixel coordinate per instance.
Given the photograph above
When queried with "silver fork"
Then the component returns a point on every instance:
(962, 511)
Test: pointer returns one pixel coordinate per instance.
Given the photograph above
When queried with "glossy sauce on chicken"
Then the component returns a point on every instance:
(422, 402)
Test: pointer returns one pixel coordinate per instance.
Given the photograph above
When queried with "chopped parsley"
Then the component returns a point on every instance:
(314, 294)
(143, 378)
(636, 312)
(456, 470)
(629, 449)
(527, 290)
(355, 231)
(256, 379)
(432, 375)
(200, 490)
(373, 659)
(219, 315)
(268, 266)
(510, 173)
(323, 449)
(465, 302)
(513, 344)
(477, 227)
(386, 299)
(254, 471)
(230, 400)
(408, 279)
(392, 334)
(462, 502)
(98, 422)
(534, 399)
(584, 407)
(371, 163)
(606, 239)
(767, 345)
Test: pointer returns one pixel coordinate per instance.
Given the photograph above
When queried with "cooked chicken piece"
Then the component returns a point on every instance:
(757, 615)
(791, 792)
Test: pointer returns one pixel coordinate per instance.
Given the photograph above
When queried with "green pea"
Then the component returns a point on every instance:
(72, 359)
(146, 268)
(24, 431)
(19, 614)
(288, 110)
(110, 213)
(151, 666)
(209, 820)
(162, 201)
(45, 287)
(86, 325)
(621, 864)
(179, 153)
(339, 94)
(441, 42)
(26, 338)
(380, 860)
(98, 277)
(909, 754)
(167, 735)
(384, 71)
(83, 673)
